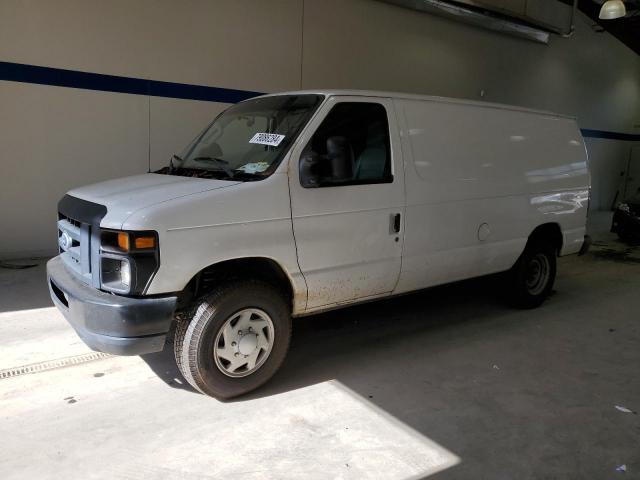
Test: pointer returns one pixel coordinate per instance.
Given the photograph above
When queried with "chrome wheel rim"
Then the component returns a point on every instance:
(244, 342)
(538, 272)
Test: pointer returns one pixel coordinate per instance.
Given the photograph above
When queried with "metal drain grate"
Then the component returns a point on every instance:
(52, 364)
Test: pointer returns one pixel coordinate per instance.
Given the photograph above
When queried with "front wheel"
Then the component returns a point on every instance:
(531, 278)
(236, 339)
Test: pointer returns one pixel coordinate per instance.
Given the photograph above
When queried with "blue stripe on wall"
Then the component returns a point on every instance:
(587, 132)
(18, 72)
(58, 77)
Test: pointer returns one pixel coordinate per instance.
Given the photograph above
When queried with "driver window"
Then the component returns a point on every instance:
(352, 146)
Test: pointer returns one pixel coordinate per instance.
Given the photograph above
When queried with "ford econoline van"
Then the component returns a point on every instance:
(295, 203)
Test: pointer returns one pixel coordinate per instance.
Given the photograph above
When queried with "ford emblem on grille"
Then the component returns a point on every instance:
(65, 241)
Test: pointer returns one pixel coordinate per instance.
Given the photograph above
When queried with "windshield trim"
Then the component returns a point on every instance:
(291, 141)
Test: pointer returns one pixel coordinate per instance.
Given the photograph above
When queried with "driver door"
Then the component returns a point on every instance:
(349, 229)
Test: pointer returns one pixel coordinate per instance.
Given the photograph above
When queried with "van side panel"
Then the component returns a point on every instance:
(479, 180)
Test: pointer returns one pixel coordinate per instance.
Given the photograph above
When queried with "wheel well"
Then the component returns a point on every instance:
(549, 232)
(253, 268)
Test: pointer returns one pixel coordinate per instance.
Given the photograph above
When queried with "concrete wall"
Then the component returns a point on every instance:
(55, 138)
(368, 44)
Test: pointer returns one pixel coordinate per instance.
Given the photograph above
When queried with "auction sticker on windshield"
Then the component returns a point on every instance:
(272, 139)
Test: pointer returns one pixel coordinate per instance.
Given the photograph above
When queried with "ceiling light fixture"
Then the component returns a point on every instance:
(612, 9)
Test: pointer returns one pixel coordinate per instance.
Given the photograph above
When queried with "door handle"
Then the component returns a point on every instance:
(395, 223)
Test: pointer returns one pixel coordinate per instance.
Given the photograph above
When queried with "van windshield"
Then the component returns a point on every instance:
(248, 140)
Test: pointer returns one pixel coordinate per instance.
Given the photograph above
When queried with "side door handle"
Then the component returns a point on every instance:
(395, 223)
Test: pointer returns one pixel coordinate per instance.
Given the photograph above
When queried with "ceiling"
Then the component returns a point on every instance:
(626, 29)
(549, 15)
(533, 19)
(555, 16)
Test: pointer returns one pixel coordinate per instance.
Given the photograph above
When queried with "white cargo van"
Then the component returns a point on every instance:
(300, 202)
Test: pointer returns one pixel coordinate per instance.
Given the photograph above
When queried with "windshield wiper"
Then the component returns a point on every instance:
(223, 164)
(171, 165)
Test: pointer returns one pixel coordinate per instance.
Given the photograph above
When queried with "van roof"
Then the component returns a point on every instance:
(413, 96)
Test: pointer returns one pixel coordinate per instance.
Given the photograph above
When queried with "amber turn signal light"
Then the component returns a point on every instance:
(123, 241)
(145, 242)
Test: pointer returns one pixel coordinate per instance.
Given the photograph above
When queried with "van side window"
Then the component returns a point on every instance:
(351, 147)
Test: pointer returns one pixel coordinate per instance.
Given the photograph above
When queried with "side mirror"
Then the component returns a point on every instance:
(310, 169)
(340, 154)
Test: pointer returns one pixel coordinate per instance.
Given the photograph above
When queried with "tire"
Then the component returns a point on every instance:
(210, 348)
(178, 341)
(531, 278)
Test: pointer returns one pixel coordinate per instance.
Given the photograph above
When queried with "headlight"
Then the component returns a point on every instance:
(125, 273)
(128, 260)
(623, 207)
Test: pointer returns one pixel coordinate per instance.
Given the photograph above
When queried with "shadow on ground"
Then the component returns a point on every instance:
(347, 344)
(163, 364)
(23, 285)
(318, 339)
(511, 392)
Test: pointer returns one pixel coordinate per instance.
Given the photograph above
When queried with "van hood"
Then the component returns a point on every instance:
(124, 196)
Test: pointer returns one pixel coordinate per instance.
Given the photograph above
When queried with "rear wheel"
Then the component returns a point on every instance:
(236, 340)
(531, 278)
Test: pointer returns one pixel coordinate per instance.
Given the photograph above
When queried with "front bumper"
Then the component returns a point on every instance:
(110, 323)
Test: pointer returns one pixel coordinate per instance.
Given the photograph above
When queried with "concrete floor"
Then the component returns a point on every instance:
(447, 383)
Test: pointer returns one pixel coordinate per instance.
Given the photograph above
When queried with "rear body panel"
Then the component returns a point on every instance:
(480, 179)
